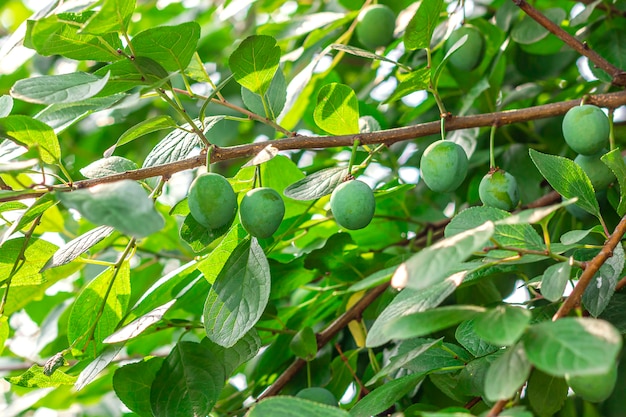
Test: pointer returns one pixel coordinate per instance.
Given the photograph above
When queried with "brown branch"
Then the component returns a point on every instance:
(497, 408)
(592, 267)
(620, 284)
(610, 100)
(602, 6)
(324, 337)
(618, 76)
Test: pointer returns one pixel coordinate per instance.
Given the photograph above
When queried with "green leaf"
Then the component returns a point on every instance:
(426, 322)
(35, 378)
(179, 144)
(63, 115)
(58, 34)
(132, 384)
(574, 236)
(6, 105)
(317, 185)
(54, 89)
(108, 166)
(4, 331)
(26, 131)
(385, 396)
(554, 280)
(364, 53)
(546, 393)
(188, 383)
(598, 294)
(400, 361)
(533, 216)
(241, 352)
(143, 128)
(38, 208)
(36, 254)
(407, 302)
(294, 407)
(417, 80)
(528, 31)
(113, 16)
(507, 374)
(109, 292)
(275, 98)
(337, 110)
(212, 265)
(238, 296)
(254, 63)
(125, 75)
(76, 247)
(568, 179)
(574, 346)
(96, 366)
(373, 280)
(140, 324)
(107, 204)
(502, 325)
(440, 357)
(171, 46)
(616, 163)
(433, 263)
(198, 236)
(304, 344)
(467, 337)
(420, 29)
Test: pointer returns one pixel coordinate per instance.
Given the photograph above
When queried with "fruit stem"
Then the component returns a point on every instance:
(492, 137)
(209, 151)
(355, 146)
(442, 129)
(611, 130)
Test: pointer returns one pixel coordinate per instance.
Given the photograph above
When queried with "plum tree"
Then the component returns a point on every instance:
(444, 166)
(261, 212)
(586, 129)
(499, 189)
(353, 204)
(319, 395)
(212, 201)
(597, 171)
(594, 388)
(470, 54)
(375, 26)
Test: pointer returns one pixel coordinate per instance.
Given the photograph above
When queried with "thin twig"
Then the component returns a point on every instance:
(610, 100)
(618, 76)
(497, 408)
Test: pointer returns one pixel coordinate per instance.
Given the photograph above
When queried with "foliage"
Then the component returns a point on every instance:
(115, 300)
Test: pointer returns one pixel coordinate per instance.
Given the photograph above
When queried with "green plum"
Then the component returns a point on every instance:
(212, 201)
(470, 54)
(586, 129)
(375, 26)
(353, 204)
(499, 189)
(593, 388)
(444, 166)
(600, 175)
(261, 212)
(319, 395)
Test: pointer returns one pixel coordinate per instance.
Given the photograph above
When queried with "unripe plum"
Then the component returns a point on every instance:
(319, 395)
(444, 166)
(499, 189)
(212, 201)
(586, 129)
(261, 212)
(600, 175)
(375, 26)
(470, 54)
(353, 204)
(593, 388)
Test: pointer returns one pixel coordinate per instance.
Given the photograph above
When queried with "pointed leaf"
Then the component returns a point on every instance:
(254, 63)
(96, 366)
(171, 46)
(337, 110)
(54, 89)
(385, 396)
(433, 263)
(113, 16)
(140, 324)
(316, 185)
(294, 407)
(76, 247)
(507, 374)
(132, 384)
(574, 346)
(502, 325)
(400, 361)
(554, 280)
(420, 29)
(60, 116)
(26, 131)
(107, 204)
(6, 105)
(364, 53)
(546, 393)
(37, 252)
(598, 293)
(238, 296)
(568, 179)
(188, 383)
(34, 377)
(417, 80)
(38, 208)
(108, 166)
(143, 128)
(617, 164)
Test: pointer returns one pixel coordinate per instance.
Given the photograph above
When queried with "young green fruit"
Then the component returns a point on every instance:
(261, 212)
(353, 204)
(600, 175)
(319, 395)
(443, 166)
(375, 26)
(586, 129)
(470, 54)
(593, 388)
(212, 201)
(499, 189)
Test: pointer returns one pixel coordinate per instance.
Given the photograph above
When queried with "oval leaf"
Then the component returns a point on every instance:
(255, 62)
(337, 110)
(55, 89)
(316, 185)
(502, 325)
(554, 280)
(507, 374)
(294, 407)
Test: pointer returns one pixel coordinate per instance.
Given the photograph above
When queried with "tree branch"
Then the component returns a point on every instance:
(388, 137)
(618, 76)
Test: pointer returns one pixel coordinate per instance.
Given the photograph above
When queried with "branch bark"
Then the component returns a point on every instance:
(610, 100)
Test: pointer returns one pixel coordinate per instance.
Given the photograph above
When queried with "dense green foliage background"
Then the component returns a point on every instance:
(115, 301)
